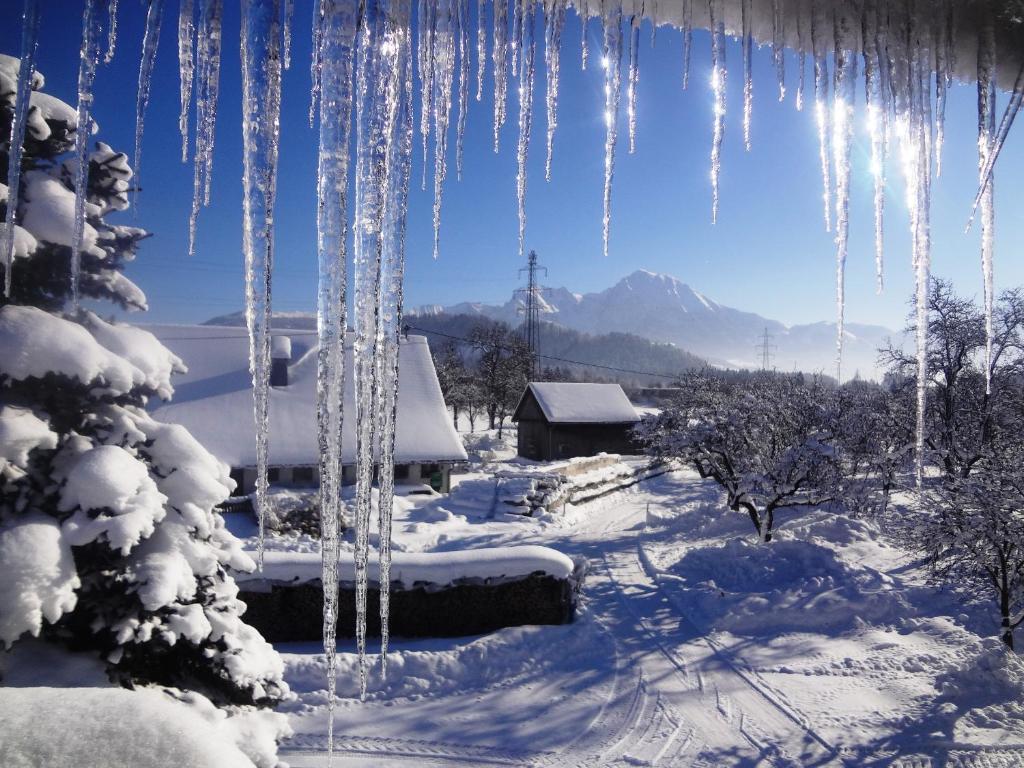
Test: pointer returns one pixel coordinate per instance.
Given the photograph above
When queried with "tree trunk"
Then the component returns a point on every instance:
(501, 425)
(490, 417)
(1004, 612)
(455, 418)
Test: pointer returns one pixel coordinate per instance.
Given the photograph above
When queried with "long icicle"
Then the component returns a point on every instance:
(89, 57)
(748, 81)
(150, 42)
(261, 109)
(687, 40)
(443, 68)
(877, 125)
(464, 75)
(633, 79)
(943, 79)
(481, 47)
(499, 54)
(1005, 124)
(426, 60)
(289, 12)
(718, 76)
(612, 62)
(398, 127)
(22, 102)
(208, 50)
(583, 11)
(821, 109)
(778, 48)
(526, 76)
(554, 23)
(186, 67)
(111, 31)
(338, 46)
(316, 61)
(986, 134)
(842, 123)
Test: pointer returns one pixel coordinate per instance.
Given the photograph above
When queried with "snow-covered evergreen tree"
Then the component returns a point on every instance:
(109, 538)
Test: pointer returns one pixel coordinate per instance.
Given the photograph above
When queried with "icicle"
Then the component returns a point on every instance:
(942, 81)
(316, 61)
(426, 60)
(111, 31)
(718, 75)
(261, 109)
(389, 313)
(801, 62)
(526, 75)
(22, 102)
(289, 12)
(186, 65)
(150, 41)
(338, 41)
(500, 55)
(842, 125)
(877, 125)
(986, 134)
(611, 61)
(208, 48)
(687, 40)
(1005, 124)
(517, 13)
(464, 74)
(778, 49)
(821, 108)
(443, 68)
(481, 47)
(748, 82)
(554, 21)
(633, 79)
(383, 156)
(583, 12)
(89, 57)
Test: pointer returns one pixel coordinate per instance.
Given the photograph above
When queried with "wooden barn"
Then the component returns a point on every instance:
(562, 420)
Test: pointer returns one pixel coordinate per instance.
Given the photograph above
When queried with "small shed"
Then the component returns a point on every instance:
(562, 420)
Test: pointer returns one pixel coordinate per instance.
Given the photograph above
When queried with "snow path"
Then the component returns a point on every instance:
(662, 692)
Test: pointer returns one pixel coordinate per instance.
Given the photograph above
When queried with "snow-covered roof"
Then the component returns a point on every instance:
(581, 403)
(213, 400)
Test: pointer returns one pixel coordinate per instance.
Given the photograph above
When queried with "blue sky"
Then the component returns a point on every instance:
(768, 253)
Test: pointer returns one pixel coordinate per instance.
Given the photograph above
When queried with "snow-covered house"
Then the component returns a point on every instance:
(214, 402)
(561, 420)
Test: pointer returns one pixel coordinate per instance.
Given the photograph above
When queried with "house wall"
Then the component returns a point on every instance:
(541, 441)
(245, 477)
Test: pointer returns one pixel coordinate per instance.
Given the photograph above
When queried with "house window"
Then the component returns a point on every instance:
(401, 471)
(273, 475)
(303, 475)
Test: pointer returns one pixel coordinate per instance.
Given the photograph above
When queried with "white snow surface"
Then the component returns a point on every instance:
(39, 578)
(141, 349)
(427, 568)
(157, 728)
(21, 432)
(34, 343)
(48, 212)
(213, 400)
(583, 403)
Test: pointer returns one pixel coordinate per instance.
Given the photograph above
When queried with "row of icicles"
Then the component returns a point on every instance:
(362, 68)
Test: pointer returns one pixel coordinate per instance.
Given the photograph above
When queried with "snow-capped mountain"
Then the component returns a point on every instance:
(663, 308)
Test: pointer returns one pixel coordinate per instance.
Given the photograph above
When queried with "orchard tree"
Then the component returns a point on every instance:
(768, 440)
(109, 536)
(964, 417)
(971, 532)
(452, 378)
(503, 366)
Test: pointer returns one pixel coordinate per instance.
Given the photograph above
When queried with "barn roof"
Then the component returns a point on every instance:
(580, 403)
(214, 400)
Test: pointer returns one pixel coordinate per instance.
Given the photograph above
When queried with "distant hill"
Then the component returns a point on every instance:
(664, 309)
(616, 350)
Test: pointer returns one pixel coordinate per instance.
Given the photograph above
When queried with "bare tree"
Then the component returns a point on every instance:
(502, 370)
(769, 441)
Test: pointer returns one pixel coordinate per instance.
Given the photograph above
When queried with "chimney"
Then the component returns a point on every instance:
(280, 356)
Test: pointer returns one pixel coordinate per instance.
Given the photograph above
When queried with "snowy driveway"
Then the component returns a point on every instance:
(632, 682)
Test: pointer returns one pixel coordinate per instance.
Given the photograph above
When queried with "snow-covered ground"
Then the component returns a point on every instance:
(694, 646)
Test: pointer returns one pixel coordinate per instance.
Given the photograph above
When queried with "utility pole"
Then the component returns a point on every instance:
(766, 350)
(531, 309)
